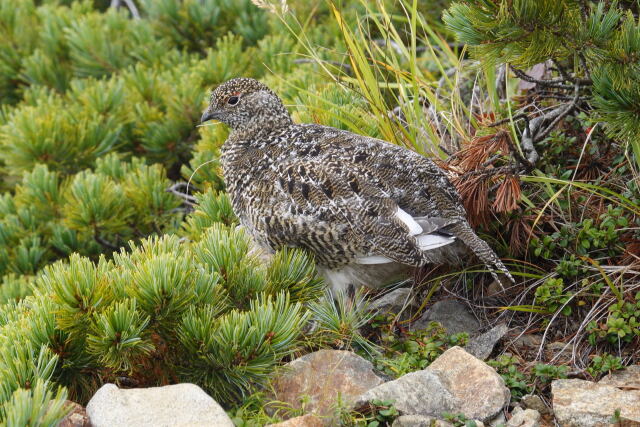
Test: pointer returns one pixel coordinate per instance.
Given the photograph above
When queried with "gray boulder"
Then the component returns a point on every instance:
(456, 382)
(325, 379)
(393, 302)
(626, 378)
(482, 345)
(580, 403)
(424, 421)
(452, 315)
(170, 406)
(419, 421)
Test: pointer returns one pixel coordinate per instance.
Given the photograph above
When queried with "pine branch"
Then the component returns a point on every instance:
(534, 134)
(102, 241)
(550, 83)
(187, 198)
(130, 5)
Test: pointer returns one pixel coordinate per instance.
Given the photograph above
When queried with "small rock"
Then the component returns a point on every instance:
(539, 71)
(558, 351)
(455, 382)
(579, 403)
(392, 302)
(172, 405)
(419, 421)
(626, 378)
(524, 418)
(498, 421)
(301, 421)
(325, 379)
(495, 288)
(535, 402)
(420, 392)
(531, 341)
(482, 345)
(452, 315)
(76, 418)
(477, 385)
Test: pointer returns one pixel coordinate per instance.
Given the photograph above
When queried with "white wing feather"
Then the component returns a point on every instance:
(414, 227)
(426, 241)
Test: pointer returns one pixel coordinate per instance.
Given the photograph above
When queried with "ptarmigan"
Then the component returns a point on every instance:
(361, 205)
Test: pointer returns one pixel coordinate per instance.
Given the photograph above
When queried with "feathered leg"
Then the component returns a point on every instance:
(463, 231)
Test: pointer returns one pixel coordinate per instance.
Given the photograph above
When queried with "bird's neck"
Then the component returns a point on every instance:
(261, 131)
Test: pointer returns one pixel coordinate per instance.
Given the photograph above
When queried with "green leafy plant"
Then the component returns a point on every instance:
(552, 295)
(378, 413)
(622, 324)
(604, 364)
(544, 373)
(415, 350)
(508, 368)
(459, 420)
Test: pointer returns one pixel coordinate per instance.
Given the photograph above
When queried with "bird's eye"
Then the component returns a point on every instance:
(233, 100)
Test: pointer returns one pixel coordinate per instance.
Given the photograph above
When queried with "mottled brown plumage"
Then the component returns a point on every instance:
(355, 202)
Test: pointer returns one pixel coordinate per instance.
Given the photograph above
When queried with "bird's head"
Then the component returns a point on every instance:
(244, 103)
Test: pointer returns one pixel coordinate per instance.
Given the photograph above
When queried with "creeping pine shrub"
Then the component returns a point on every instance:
(597, 32)
(337, 320)
(165, 311)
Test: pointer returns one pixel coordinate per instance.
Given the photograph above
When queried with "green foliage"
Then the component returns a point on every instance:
(521, 382)
(50, 217)
(544, 373)
(231, 355)
(14, 288)
(602, 40)
(207, 21)
(552, 295)
(211, 208)
(376, 413)
(337, 321)
(252, 413)
(415, 350)
(604, 364)
(622, 324)
(116, 337)
(35, 406)
(458, 420)
(294, 271)
(587, 237)
(514, 378)
(615, 418)
(164, 304)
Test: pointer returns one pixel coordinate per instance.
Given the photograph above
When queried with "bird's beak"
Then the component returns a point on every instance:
(208, 115)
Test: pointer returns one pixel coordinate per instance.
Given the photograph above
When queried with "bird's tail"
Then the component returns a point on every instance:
(463, 231)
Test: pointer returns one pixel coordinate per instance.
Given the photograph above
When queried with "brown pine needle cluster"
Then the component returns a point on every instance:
(480, 174)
